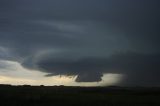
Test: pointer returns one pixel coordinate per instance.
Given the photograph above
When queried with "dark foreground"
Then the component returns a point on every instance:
(78, 96)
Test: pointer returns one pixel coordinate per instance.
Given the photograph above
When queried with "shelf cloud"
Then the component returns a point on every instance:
(84, 38)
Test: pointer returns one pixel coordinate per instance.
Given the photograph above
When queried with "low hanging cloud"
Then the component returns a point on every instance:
(139, 69)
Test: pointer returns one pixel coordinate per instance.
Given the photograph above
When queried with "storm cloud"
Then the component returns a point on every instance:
(139, 69)
(84, 38)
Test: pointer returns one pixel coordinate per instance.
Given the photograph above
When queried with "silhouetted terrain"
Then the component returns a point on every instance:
(78, 96)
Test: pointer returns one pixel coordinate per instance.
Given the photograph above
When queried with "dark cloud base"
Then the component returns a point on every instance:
(139, 69)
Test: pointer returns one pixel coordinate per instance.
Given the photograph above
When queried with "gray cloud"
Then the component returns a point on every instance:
(139, 69)
(83, 37)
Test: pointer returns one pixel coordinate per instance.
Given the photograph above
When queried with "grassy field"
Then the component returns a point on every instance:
(78, 96)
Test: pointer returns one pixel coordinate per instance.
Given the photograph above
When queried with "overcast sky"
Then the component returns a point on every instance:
(87, 42)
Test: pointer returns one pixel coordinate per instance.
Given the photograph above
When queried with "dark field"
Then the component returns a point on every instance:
(78, 96)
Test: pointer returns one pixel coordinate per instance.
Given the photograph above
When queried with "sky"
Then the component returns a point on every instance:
(80, 42)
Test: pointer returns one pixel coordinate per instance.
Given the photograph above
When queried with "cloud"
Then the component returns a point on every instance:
(11, 72)
(90, 77)
(86, 38)
(139, 69)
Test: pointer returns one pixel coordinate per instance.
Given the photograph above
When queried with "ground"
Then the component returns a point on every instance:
(78, 96)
